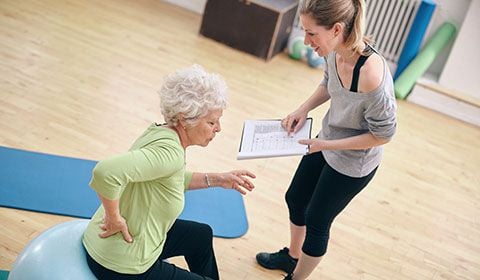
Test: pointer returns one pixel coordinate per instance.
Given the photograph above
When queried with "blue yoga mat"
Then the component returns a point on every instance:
(3, 275)
(59, 185)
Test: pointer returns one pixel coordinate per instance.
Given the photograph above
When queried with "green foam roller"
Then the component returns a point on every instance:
(419, 65)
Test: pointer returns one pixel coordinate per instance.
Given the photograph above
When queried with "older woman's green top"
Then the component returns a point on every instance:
(150, 181)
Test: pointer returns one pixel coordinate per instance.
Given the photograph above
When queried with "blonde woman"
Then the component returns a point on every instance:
(347, 152)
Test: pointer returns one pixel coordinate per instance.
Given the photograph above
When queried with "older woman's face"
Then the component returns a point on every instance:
(204, 131)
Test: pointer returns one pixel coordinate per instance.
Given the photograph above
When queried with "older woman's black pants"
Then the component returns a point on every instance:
(317, 194)
(186, 238)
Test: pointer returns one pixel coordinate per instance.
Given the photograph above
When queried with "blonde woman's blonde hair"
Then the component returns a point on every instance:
(350, 13)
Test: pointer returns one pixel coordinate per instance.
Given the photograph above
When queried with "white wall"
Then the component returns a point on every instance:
(447, 10)
(461, 70)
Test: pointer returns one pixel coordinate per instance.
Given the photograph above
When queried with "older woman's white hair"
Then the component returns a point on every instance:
(191, 92)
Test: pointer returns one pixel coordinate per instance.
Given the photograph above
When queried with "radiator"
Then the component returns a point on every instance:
(398, 28)
(389, 22)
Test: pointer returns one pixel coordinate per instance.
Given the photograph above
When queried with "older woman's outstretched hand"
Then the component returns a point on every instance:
(237, 180)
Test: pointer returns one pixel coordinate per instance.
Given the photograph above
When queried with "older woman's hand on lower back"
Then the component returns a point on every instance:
(237, 180)
(111, 226)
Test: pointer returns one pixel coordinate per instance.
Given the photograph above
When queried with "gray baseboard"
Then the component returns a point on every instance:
(193, 5)
(454, 107)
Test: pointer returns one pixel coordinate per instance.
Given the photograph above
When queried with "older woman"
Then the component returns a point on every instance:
(142, 191)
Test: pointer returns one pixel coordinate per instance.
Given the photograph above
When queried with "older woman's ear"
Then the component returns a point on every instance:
(181, 120)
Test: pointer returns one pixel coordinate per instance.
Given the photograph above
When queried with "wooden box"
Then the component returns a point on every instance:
(258, 27)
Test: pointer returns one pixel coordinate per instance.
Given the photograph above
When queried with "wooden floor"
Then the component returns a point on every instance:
(79, 78)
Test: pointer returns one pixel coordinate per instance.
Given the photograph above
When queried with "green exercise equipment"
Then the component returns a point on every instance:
(417, 67)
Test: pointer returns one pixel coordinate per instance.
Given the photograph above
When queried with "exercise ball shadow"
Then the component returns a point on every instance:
(56, 253)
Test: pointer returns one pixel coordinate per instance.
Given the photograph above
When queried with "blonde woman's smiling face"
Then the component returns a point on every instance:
(317, 37)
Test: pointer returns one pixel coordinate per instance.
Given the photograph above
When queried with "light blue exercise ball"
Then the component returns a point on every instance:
(313, 59)
(57, 253)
